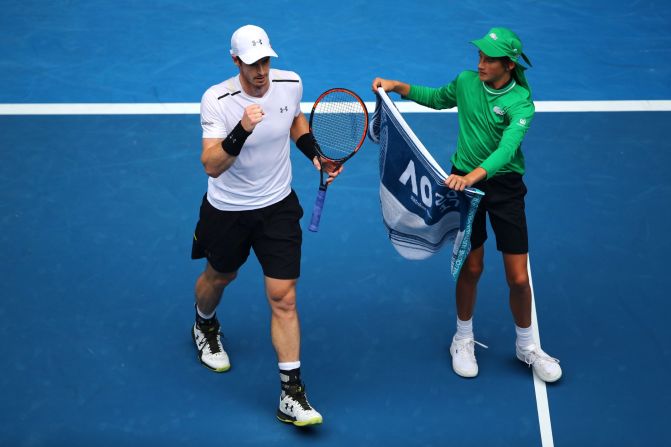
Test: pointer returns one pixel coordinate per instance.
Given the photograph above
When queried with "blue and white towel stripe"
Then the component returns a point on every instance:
(419, 211)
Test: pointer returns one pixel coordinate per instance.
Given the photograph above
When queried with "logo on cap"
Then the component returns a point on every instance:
(494, 36)
(260, 42)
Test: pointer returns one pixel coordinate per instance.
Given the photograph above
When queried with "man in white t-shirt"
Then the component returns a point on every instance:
(247, 122)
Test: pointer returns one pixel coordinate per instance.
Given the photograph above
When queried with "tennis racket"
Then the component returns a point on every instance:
(339, 122)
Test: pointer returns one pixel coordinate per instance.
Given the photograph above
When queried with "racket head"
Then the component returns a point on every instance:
(339, 122)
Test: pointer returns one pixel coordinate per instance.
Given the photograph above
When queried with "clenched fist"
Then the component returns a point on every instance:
(251, 117)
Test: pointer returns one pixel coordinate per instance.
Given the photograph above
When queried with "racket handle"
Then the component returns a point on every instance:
(317, 210)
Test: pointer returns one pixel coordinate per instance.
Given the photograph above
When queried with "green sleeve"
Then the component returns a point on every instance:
(520, 120)
(444, 97)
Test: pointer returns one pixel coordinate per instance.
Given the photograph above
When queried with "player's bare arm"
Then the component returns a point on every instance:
(388, 85)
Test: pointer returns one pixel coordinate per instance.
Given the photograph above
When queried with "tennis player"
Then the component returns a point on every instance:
(495, 112)
(247, 122)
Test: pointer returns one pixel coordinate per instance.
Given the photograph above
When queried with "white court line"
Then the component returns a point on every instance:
(542, 404)
(173, 108)
(559, 106)
(193, 108)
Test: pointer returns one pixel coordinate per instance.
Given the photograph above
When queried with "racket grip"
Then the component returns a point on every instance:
(317, 210)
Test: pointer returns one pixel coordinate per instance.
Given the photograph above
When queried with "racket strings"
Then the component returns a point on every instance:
(339, 124)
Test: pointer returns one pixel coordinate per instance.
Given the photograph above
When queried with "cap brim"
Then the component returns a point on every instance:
(252, 56)
(488, 48)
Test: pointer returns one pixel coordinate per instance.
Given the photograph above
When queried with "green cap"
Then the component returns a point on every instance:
(500, 42)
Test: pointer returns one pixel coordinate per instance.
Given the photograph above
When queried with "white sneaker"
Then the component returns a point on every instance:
(463, 357)
(210, 350)
(546, 368)
(294, 406)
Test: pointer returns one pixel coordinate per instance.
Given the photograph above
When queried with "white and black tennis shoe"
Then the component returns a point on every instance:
(207, 338)
(294, 406)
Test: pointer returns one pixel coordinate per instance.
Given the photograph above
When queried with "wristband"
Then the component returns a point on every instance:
(308, 145)
(233, 142)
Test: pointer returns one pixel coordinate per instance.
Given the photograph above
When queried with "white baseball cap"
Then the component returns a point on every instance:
(251, 43)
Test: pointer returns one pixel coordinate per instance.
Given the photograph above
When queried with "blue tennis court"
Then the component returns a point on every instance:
(97, 213)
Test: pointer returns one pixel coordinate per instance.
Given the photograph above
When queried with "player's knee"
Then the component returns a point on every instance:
(221, 280)
(472, 270)
(283, 302)
(518, 281)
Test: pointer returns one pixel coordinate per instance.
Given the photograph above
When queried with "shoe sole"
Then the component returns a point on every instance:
(464, 374)
(549, 380)
(288, 420)
(217, 370)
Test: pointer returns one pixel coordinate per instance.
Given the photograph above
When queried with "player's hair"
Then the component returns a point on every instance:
(505, 60)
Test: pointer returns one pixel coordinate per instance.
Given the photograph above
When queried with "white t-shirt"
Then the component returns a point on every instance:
(261, 174)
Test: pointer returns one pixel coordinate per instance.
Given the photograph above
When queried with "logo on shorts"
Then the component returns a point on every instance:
(522, 122)
(499, 111)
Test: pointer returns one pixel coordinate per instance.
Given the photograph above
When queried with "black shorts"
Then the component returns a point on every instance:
(504, 202)
(274, 232)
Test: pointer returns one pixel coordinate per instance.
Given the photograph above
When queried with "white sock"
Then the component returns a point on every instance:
(464, 329)
(290, 372)
(288, 366)
(203, 315)
(525, 336)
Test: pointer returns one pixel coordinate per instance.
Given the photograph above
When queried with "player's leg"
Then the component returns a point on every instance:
(517, 278)
(463, 344)
(526, 348)
(221, 239)
(508, 219)
(467, 283)
(284, 325)
(285, 333)
(210, 287)
(470, 273)
(277, 244)
(278, 247)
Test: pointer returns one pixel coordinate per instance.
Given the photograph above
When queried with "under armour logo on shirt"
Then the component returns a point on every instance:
(284, 109)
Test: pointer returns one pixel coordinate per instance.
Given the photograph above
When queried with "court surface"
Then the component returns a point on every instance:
(97, 213)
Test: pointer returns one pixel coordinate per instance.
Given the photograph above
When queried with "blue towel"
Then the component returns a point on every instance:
(421, 213)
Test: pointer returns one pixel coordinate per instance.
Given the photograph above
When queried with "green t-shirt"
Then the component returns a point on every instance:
(492, 123)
